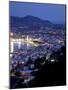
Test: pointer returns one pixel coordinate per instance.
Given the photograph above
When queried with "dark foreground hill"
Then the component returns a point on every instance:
(51, 74)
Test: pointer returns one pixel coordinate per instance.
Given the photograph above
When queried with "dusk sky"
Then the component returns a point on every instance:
(52, 12)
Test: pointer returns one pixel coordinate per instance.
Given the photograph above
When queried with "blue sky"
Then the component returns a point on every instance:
(52, 12)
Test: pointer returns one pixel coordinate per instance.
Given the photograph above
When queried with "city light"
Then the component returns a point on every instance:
(11, 34)
(52, 60)
(11, 47)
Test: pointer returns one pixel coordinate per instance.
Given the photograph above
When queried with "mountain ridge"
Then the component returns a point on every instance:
(32, 23)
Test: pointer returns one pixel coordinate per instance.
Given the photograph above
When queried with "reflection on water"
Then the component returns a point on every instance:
(17, 44)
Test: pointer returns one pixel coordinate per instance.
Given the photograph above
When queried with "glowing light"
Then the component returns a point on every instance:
(11, 55)
(52, 60)
(27, 38)
(22, 62)
(29, 42)
(19, 43)
(11, 47)
(11, 34)
(60, 41)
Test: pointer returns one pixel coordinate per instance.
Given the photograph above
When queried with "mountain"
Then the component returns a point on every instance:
(27, 20)
(30, 23)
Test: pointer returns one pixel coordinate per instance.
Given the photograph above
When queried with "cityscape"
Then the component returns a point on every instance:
(36, 46)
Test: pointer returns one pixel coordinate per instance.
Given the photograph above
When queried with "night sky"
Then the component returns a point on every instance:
(52, 12)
